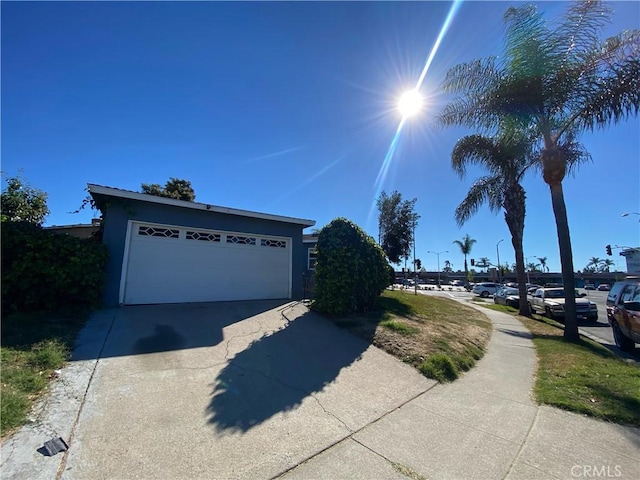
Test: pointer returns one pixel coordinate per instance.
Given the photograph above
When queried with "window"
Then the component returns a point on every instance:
(627, 294)
(241, 240)
(203, 237)
(311, 258)
(273, 243)
(158, 232)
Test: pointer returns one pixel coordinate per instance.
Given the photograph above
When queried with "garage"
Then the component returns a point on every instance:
(171, 264)
(164, 250)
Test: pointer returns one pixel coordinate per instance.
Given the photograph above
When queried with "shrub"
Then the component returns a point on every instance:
(351, 269)
(439, 367)
(49, 272)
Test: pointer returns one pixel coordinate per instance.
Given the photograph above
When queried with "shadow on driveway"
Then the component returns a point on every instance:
(277, 372)
(144, 329)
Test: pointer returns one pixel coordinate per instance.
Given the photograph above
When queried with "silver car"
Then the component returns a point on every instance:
(485, 289)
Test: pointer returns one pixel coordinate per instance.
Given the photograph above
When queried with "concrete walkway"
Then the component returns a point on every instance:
(264, 391)
(483, 426)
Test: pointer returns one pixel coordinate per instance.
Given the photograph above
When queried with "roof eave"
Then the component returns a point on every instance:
(143, 197)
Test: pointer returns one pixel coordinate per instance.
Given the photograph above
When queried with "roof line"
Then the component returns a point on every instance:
(143, 197)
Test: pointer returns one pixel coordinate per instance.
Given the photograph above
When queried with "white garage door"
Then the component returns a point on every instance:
(170, 264)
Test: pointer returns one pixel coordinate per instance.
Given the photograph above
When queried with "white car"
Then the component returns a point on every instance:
(485, 289)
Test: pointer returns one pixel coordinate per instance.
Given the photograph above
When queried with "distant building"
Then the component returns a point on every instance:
(79, 230)
(632, 255)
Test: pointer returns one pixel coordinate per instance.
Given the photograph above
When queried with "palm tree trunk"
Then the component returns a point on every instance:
(566, 262)
(466, 270)
(515, 211)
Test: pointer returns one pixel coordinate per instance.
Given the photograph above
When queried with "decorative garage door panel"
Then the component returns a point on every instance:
(169, 264)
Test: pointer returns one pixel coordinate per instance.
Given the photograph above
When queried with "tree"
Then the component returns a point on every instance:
(448, 267)
(174, 188)
(606, 265)
(558, 82)
(506, 158)
(466, 244)
(483, 262)
(418, 263)
(594, 263)
(532, 267)
(396, 224)
(23, 203)
(543, 264)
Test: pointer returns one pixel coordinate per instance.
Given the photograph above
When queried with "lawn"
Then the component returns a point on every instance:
(33, 346)
(440, 337)
(582, 377)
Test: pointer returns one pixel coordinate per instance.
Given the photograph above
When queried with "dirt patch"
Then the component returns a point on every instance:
(434, 326)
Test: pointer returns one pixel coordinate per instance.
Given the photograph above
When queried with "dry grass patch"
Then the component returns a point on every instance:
(438, 336)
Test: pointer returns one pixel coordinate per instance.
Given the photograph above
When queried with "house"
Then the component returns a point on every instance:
(80, 230)
(163, 250)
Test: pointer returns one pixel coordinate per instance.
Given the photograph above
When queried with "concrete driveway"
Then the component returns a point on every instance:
(222, 390)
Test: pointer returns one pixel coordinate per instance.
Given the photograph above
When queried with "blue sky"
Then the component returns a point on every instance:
(285, 108)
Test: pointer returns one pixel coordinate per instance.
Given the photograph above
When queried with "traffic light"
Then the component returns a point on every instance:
(473, 262)
(609, 250)
(418, 264)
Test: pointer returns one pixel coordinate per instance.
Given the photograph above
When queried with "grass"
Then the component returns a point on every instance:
(582, 377)
(33, 346)
(438, 336)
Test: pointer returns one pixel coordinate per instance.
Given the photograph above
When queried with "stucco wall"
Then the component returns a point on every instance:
(120, 211)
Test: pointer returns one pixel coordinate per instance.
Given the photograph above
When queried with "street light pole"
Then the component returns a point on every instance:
(526, 259)
(438, 255)
(498, 253)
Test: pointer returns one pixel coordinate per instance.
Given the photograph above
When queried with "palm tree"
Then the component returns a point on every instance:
(606, 264)
(506, 159)
(483, 262)
(466, 244)
(594, 264)
(532, 267)
(543, 264)
(560, 82)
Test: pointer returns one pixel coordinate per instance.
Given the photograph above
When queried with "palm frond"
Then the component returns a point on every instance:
(579, 30)
(528, 55)
(472, 76)
(485, 189)
(475, 149)
(612, 98)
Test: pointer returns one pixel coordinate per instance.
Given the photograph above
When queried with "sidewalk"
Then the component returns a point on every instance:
(483, 426)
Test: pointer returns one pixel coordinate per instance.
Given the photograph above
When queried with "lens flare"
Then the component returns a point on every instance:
(386, 163)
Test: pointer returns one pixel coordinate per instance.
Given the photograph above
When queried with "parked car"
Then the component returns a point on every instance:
(484, 289)
(531, 289)
(550, 302)
(623, 312)
(589, 286)
(604, 287)
(508, 296)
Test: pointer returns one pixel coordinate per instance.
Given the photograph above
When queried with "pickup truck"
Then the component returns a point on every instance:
(550, 302)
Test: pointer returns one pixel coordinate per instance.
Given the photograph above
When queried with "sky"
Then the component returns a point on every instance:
(288, 108)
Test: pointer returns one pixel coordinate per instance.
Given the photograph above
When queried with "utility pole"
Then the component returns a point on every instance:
(498, 253)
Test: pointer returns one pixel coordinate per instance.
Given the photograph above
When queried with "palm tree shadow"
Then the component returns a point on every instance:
(277, 372)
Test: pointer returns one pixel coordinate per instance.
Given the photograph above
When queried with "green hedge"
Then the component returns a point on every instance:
(44, 271)
(351, 269)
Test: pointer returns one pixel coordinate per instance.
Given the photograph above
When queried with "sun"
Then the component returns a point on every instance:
(410, 103)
